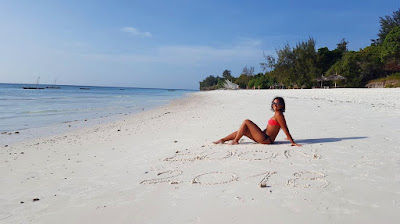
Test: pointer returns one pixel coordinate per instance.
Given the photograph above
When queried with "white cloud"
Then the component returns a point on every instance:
(242, 52)
(249, 43)
(168, 66)
(135, 32)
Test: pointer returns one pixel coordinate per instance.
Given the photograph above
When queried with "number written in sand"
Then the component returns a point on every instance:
(257, 155)
(302, 179)
(266, 175)
(306, 179)
(244, 155)
(214, 178)
(168, 176)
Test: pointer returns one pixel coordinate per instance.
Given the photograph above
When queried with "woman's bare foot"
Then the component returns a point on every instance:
(219, 142)
(233, 142)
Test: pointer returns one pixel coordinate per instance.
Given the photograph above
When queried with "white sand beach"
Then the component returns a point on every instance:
(160, 166)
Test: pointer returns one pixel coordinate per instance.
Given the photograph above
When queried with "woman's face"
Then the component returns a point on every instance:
(277, 105)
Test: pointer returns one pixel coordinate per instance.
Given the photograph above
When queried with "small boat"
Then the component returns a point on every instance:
(31, 87)
(53, 86)
(84, 88)
(27, 87)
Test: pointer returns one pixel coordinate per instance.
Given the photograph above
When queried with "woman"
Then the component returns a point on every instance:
(267, 136)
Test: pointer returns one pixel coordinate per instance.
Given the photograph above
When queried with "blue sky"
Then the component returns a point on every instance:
(167, 44)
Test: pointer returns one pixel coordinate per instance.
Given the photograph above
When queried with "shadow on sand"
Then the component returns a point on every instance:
(319, 140)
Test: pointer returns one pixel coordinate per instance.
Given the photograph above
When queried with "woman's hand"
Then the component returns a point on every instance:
(293, 143)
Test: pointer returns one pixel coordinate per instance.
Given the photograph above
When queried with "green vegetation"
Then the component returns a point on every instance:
(211, 83)
(302, 66)
(392, 81)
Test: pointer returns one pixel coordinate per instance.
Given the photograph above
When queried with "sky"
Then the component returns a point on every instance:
(171, 44)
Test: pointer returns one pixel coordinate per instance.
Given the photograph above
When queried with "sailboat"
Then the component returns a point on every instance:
(53, 86)
(37, 83)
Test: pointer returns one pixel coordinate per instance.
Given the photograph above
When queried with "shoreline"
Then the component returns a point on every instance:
(160, 166)
(26, 109)
(30, 134)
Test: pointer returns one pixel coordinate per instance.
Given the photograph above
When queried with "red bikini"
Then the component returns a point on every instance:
(273, 122)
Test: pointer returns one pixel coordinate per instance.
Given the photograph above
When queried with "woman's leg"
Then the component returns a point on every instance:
(251, 130)
(227, 138)
(248, 129)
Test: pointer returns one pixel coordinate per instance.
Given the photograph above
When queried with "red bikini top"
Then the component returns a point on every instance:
(273, 122)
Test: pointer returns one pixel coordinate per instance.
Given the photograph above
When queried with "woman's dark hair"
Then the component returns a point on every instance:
(282, 101)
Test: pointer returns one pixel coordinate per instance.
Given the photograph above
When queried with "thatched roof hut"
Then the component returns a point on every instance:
(321, 79)
(336, 77)
(277, 86)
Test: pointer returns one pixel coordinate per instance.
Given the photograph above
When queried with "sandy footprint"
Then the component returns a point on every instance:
(367, 163)
(396, 203)
(5, 215)
(287, 154)
(339, 207)
(313, 154)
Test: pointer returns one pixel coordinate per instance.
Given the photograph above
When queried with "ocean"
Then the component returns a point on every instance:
(22, 109)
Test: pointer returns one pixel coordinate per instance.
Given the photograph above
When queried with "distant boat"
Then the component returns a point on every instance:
(30, 87)
(84, 88)
(53, 86)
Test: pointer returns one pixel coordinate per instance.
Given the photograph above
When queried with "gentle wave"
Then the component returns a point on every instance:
(63, 98)
(20, 108)
(73, 110)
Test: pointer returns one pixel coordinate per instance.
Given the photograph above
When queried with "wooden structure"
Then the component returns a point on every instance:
(333, 78)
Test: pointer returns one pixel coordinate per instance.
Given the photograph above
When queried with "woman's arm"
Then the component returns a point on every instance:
(282, 122)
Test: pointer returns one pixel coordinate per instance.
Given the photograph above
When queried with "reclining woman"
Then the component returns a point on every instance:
(268, 135)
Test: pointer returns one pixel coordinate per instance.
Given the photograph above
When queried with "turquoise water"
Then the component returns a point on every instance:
(32, 108)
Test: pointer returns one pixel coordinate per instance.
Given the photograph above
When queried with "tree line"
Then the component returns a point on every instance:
(303, 65)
